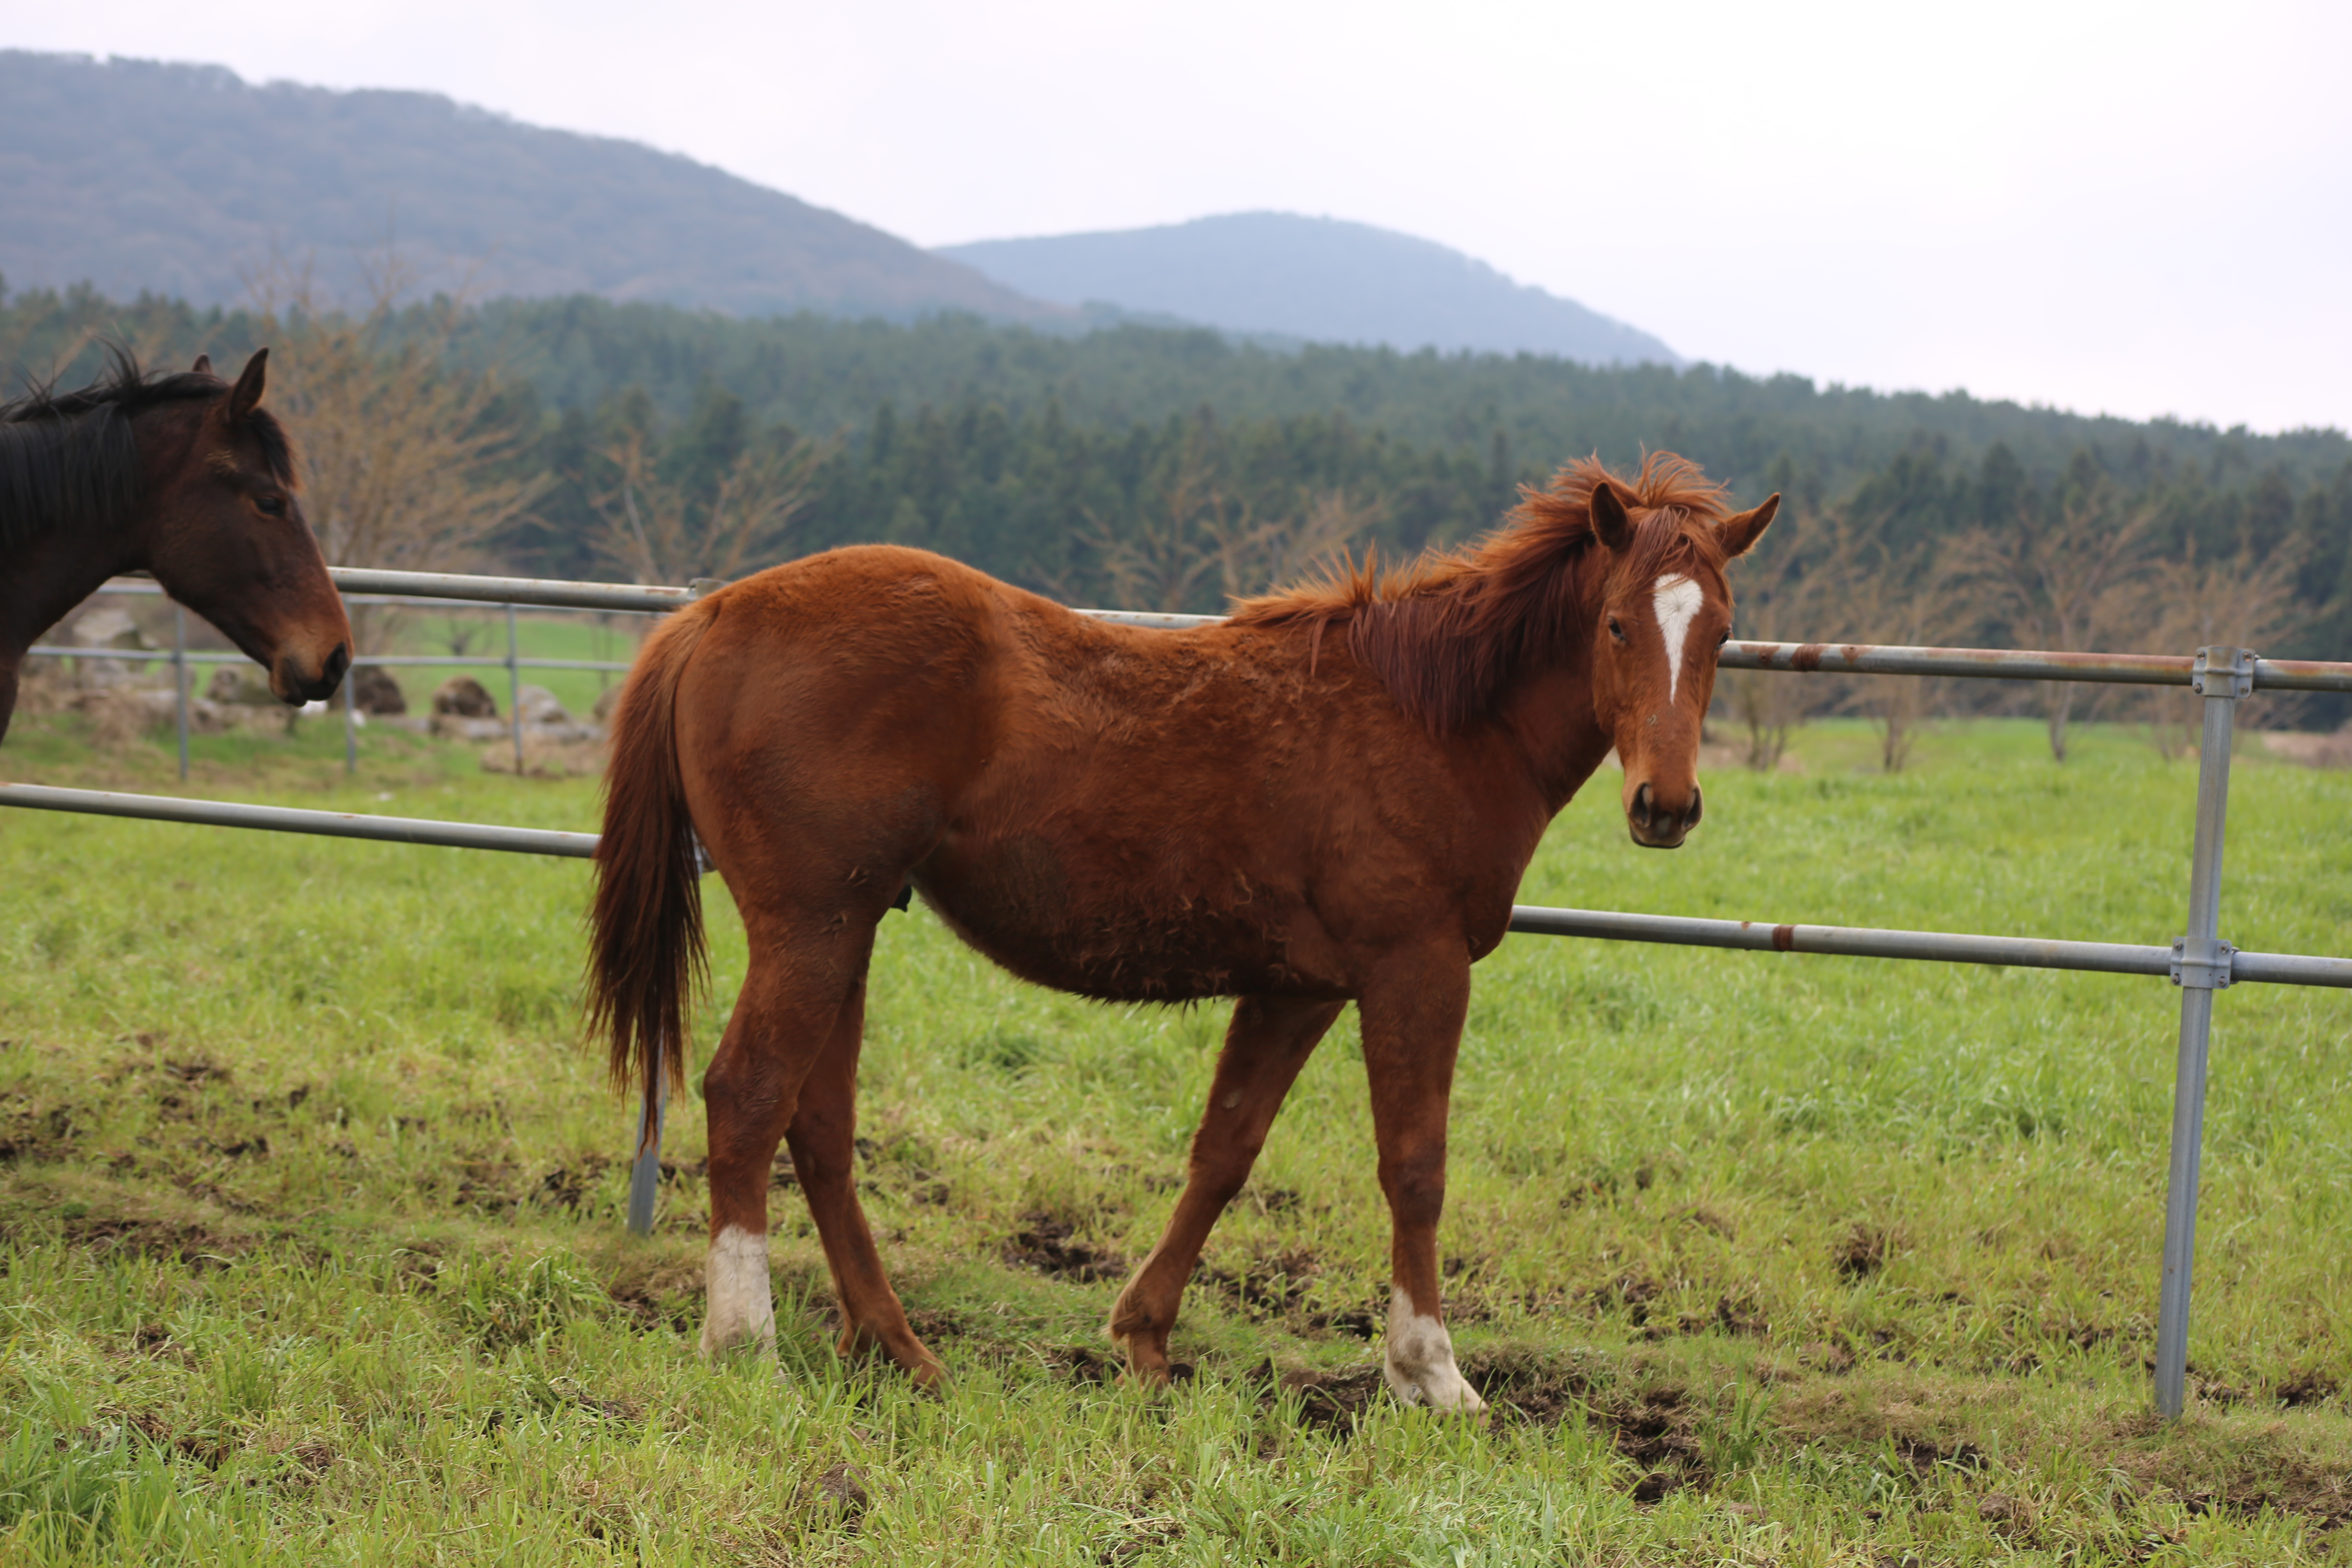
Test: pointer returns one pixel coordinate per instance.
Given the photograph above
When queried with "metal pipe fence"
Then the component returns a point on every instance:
(411, 590)
(2200, 963)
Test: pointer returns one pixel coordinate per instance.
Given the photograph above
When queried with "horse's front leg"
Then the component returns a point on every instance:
(1413, 1008)
(1268, 1041)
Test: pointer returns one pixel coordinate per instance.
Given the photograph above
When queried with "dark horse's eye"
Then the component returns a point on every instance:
(1724, 638)
(1615, 630)
(271, 506)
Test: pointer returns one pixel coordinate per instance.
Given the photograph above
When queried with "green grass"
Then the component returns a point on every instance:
(314, 1251)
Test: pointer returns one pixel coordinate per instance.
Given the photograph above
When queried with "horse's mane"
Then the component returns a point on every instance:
(1449, 631)
(70, 458)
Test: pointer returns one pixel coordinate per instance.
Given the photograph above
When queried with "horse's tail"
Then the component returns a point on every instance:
(645, 948)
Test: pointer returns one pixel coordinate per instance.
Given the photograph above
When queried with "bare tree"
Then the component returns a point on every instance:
(1198, 535)
(2237, 600)
(1798, 587)
(404, 464)
(1157, 562)
(2068, 585)
(1901, 595)
(660, 531)
(1329, 525)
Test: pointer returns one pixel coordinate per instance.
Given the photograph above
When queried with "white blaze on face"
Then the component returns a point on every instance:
(737, 1305)
(1421, 1369)
(1676, 601)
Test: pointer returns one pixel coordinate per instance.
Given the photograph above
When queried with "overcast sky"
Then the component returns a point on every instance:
(2138, 208)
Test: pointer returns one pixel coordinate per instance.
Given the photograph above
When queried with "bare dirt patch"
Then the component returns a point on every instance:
(1270, 1284)
(183, 1241)
(1333, 1401)
(1863, 1253)
(1049, 1243)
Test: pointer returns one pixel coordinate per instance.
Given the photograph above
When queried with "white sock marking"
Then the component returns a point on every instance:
(1421, 1369)
(737, 1308)
(1676, 600)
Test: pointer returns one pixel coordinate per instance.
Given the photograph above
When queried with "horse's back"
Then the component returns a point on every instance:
(1116, 811)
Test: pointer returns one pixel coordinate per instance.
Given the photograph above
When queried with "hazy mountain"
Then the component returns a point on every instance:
(185, 179)
(1311, 278)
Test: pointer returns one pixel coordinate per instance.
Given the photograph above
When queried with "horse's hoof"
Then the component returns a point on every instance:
(1436, 1388)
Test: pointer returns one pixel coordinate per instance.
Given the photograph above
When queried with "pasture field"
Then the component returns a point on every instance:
(310, 1248)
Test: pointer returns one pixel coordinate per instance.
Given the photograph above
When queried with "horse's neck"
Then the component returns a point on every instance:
(1549, 712)
(1548, 707)
(40, 582)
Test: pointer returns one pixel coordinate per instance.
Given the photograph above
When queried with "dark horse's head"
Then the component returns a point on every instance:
(1664, 612)
(191, 479)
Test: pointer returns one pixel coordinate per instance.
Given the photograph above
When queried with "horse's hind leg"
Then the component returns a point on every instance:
(1413, 1011)
(1268, 1041)
(823, 1136)
(793, 997)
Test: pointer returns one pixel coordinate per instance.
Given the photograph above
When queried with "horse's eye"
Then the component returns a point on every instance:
(1724, 638)
(1615, 630)
(271, 506)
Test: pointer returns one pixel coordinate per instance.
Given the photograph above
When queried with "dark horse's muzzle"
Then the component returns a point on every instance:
(292, 682)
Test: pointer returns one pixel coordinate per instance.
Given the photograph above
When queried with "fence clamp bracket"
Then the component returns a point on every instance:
(2202, 973)
(2231, 676)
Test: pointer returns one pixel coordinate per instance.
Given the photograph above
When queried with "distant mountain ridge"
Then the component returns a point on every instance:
(185, 180)
(1319, 279)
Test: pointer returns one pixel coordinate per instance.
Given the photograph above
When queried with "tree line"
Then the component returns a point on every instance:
(1172, 470)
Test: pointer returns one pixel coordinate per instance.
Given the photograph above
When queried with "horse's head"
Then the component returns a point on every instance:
(227, 539)
(1665, 609)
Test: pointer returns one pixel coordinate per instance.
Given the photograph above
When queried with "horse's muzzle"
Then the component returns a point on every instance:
(293, 685)
(1656, 826)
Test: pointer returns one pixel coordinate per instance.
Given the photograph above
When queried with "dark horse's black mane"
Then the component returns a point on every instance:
(69, 458)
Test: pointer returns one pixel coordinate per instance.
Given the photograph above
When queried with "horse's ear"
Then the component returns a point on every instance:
(1610, 524)
(203, 366)
(245, 396)
(1739, 533)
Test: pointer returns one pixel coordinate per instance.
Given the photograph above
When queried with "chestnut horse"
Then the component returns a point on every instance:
(182, 476)
(1328, 797)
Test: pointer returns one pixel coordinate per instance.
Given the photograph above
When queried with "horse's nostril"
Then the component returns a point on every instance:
(1641, 806)
(1698, 803)
(339, 661)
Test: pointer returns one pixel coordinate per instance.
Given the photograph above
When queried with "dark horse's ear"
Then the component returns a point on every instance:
(1610, 524)
(245, 396)
(1739, 533)
(203, 366)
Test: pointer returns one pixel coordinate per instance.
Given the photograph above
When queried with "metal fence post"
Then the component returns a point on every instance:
(644, 1177)
(180, 680)
(514, 689)
(350, 722)
(2200, 966)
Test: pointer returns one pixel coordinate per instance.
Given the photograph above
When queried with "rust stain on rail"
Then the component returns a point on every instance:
(1784, 939)
(1808, 658)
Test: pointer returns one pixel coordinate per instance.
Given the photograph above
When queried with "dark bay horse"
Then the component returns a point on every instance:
(1330, 797)
(182, 476)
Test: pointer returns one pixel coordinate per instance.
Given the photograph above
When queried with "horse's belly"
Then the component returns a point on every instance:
(1144, 938)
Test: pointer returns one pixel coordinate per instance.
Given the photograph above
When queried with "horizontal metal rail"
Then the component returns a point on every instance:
(148, 587)
(1755, 936)
(166, 655)
(1945, 947)
(294, 819)
(2020, 664)
(544, 592)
